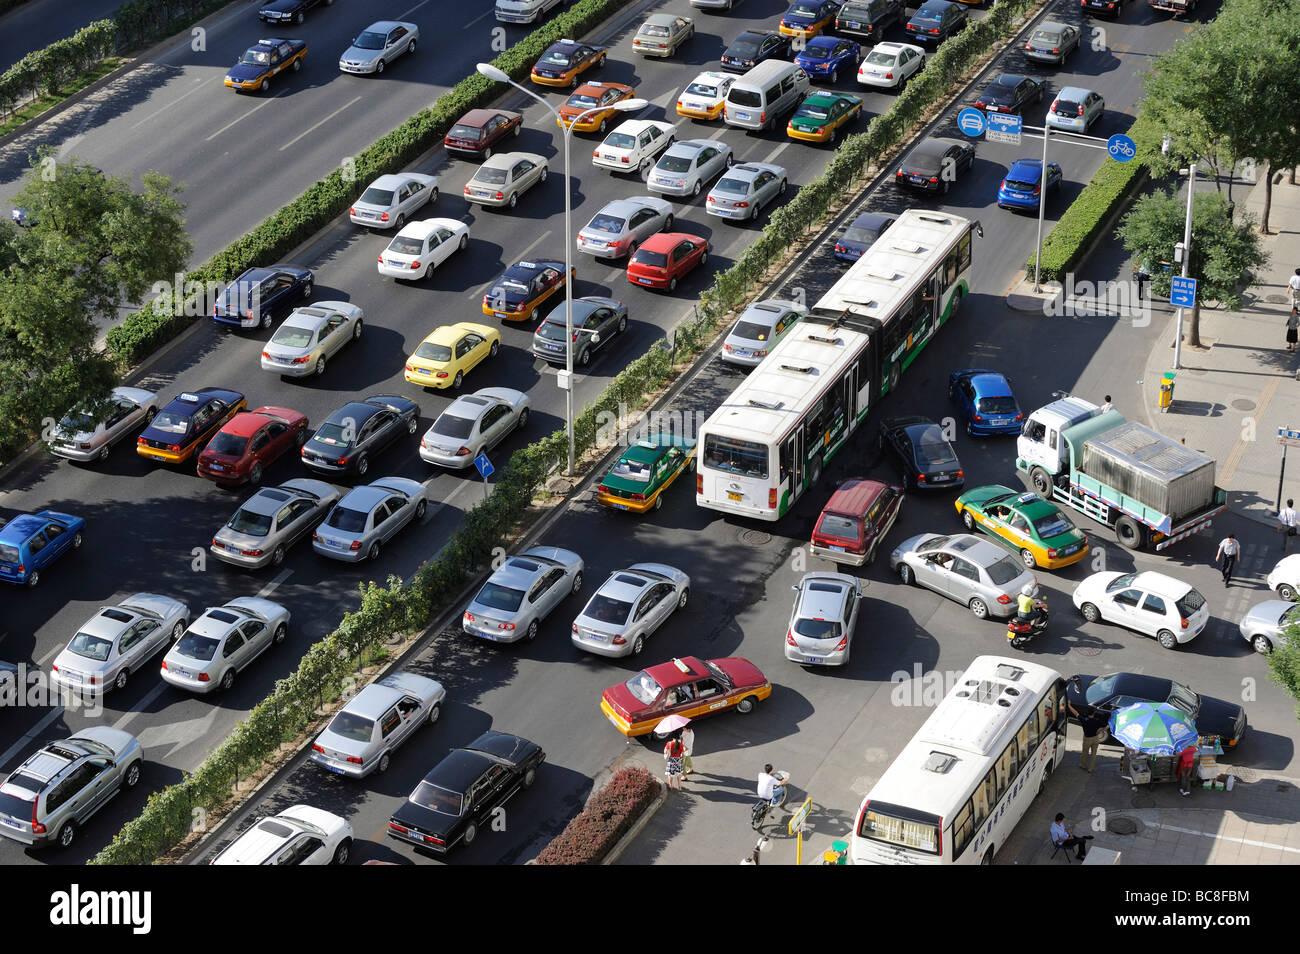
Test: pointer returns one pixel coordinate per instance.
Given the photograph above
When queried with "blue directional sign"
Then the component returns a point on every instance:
(971, 122)
(484, 466)
(1004, 127)
(1182, 294)
(1121, 147)
(1288, 435)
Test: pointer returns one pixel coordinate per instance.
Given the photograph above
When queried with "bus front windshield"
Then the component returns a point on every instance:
(746, 458)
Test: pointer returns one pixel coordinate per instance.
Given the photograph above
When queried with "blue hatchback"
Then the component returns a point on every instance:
(1020, 186)
(986, 401)
(825, 56)
(30, 542)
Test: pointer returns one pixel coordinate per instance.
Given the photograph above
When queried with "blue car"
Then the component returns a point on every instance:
(258, 295)
(30, 542)
(864, 231)
(986, 400)
(1020, 186)
(825, 56)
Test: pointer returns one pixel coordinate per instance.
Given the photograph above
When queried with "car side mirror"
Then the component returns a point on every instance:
(795, 587)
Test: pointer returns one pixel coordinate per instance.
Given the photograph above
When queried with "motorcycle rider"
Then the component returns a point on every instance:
(1026, 607)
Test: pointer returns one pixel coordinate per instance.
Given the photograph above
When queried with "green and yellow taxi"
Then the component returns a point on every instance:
(644, 471)
(820, 116)
(1044, 535)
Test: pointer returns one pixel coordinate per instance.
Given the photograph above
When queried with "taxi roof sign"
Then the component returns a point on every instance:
(1027, 497)
(681, 666)
(188, 396)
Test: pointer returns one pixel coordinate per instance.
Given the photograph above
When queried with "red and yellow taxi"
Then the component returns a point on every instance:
(807, 18)
(250, 442)
(183, 426)
(690, 686)
(597, 101)
(564, 62)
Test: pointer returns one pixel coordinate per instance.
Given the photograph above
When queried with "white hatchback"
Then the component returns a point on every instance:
(1149, 603)
(634, 146)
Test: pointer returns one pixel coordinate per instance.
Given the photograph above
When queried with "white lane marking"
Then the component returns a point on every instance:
(143, 704)
(270, 587)
(31, 735)
(475, 20)
(771, 156)
(403, 16)
(261, 105)
(308, 132)
(1242, 841)
(198, 85)
(523, 257)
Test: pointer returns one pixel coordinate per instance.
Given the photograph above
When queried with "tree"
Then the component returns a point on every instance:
(94, 245)
(1224, 253)
(1284, 661)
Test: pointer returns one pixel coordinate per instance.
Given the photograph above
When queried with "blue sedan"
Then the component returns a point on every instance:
(986, 401)
(825, 56)
(864, 231)
(1021, 185)
(30, 542)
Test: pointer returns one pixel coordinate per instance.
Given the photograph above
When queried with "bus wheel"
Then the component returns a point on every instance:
(955, 305)
(988, 855)
(1128, 532)
(1042, 482)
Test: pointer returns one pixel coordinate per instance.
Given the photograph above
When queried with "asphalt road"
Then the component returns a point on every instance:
(834, 729)
(35, 25)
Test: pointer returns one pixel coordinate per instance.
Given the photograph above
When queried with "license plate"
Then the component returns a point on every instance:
(644, 281)
(285, 360)
(940, 478)
(732, 495)
(619, 506)
(218, 467)
(837, 549)
(594, 637)
(849, 24)
(740, 115)
(1002, 423)
(813, 659)
(423, 371)
(500, 314)
(698, 106)
(183, 673)
(11, 824)
(741, 353)
(611, 158)
(157, 457)
(916, 178)
(334, 768)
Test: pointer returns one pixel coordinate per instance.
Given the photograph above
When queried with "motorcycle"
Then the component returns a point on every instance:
(1021, 632)
(758, 814)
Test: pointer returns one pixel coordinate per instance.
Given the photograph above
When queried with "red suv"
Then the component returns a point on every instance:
(479, 130)
(250, 442)
(664, 258)
(855, 520)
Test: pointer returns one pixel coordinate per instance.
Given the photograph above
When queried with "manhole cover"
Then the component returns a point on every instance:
(755, 538)
(1123, 825)
(1088, 650)
(1275, 299)
(1141, 800)
(1241, 404)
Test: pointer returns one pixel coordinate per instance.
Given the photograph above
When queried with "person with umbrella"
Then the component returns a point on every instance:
(674, 749)
(1155, 729)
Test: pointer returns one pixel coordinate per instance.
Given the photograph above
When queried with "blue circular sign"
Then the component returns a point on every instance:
(971, 122)
(1121, 147)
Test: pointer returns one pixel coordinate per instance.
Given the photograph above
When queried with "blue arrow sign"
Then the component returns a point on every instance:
(1121, 147)
(971, 122)
(484, 466)
(1182, 293)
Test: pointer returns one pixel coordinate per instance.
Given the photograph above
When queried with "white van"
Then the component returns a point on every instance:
(768, 91)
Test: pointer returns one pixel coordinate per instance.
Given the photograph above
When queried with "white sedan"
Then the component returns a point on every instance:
(890, 65)
(300, 835)
(474, 423)
(421, 247)
(634, 145)
(1171, 611)
(706, 95)
(223, 641)
(88, 432)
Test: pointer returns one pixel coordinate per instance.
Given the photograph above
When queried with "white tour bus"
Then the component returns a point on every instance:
(963, 783)
(769, 441)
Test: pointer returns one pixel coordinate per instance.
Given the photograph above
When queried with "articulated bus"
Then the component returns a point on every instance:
(965, 780)
(767, 444)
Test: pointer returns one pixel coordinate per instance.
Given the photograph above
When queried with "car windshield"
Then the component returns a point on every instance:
(349, 725)
(703, 89)
(373, 196)
(808, 10)
(582, 100)
(816, 52)
(253, 524)
(433, 352)
(632, 470)
(498, 597)
(1067, 107)
(436, 799)
(812, 111)
(461, 131)
(675, 164)
(1099, 690)
(453, 425)
(92, 647)
(745, 97)
(606, 609)
(197, 646)
(170, 422)
(1004, 571)
(999, 93)
(933, 451)
(818, 628)
(370, 41)
(291, 336)
(734, 186)
(347, 519)
(610, 224)
(490, 175)
(551, 331)
(620, 140)
(744, 46)
(80, 421)
(228, 445)
(406, 245)
(1023, 185)
(1120, 582)
(1184, 698)
(996, 405)
(748, 458)
(928, 15)
(8, 554)
(751, 331)
(556, 58)
(518, 287)
(876, 58)
(653, 29)
(1045, 38)
(1053, 524)
(644, 688)
(1189, 604)
(653, 259)
(256, 57)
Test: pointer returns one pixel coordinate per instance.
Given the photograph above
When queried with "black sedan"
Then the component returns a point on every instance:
(1010, 93)
(922, 453)
(463, 790)
(935, 165)
(936, 20)
(596, 322)
(288, 11)
(1105, 694)
(753, 47)
(359, 430)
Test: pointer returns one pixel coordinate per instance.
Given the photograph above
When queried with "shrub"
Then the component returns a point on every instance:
(609, 814)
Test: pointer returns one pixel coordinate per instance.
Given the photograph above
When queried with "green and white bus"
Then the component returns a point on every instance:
(768, 442)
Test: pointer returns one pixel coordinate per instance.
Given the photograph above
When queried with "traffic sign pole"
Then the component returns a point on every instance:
(1187, 259)
(1286, 437)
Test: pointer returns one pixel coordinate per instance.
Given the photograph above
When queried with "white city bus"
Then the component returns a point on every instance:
(770, 439)
(966, 779)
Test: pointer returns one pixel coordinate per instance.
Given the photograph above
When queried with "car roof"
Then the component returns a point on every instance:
(373, 701)
(471, 405)
(1161, 584)
(1009, 79)
(623, 207)
(109, 622)
(359, 411)
(1072, 92)
(460, 769)
(217, 621)
(933, 146)
(501, 744)
(823, 99)
(669, 674)
(364, 498)
(661, 18)
(1051, 26)
(988, 382)
(976, 549)
(824, 39)
(821, 598)
(246, 424)
(515, 572)
(665, 241)
(385, 25)
(530, 267)
(626, 585)
(872, 220)
(854, 497)
(183, 400)
(477, 117)
(1141, 684)
(21, 527)
(268, 501)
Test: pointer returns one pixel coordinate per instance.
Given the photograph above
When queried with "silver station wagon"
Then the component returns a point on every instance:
(223, 641)
(517, 597)
(362, 736)
(973, 572)
(368, 517)
(473, 424)
(88, 433)
(117, 641)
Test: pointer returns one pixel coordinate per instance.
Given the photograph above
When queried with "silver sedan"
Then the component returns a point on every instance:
(389, 201)
(517, 597)
(117, 641)
(622, 225)
(759, 328)
(474, 423)
(378, 45)
(268, 523)
(88, 433)
(501, 180)
(310, 336)
(686, 166)
(1263, 626)
(362, 736)
(368, 517)
(629, 607)
(973, 572)
(223, 641)
(746, 190)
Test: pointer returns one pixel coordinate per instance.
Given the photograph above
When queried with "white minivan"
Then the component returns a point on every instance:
(764, 94)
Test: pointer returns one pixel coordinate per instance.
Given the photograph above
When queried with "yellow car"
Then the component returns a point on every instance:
(820, 116)
(807, 18)
(452, 351)
(181, 428)
(597, 101)
(1044, 536)
(706, 95)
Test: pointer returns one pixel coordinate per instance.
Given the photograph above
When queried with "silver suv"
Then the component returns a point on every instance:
(58, 788)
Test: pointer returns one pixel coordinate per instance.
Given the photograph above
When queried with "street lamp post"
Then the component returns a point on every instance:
(1042, 206)
(623, 106)
(1165, 146)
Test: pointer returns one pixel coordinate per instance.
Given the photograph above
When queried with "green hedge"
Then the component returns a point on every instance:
(47, 70)
(607, 817)
(390, 609)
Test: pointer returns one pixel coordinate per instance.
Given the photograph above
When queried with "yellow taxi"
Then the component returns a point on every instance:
(807, 18)
(599, 98)
(705, 96)
(1044, 536)
(564, 62)
(444, 358)
(183, 426)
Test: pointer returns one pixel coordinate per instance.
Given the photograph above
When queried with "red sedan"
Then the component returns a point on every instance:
(250, 442)
(664, 258)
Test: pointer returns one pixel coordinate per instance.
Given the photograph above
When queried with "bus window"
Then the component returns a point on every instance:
(963, 253)
(1004, 769)
(963, 829)
(984, 798)
(949, 270)
(787, 455)
(1035, 728)
(1023, 740)
(746, 458)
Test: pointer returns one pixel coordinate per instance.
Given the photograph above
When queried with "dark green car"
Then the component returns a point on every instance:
(1044, 535)
(821, 115)
(639, 477)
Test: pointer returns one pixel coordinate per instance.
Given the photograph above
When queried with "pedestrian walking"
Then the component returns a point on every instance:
(674, 752)
(1107, 406)
(688, 740)
(1292, 328)
(1094, 727)
(1062, 838)
(1294, 285)
(1286, 524)
(1186, 769)
(1229, 548)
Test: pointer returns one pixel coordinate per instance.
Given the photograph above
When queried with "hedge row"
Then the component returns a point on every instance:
(609, 815)
(47, 70)
(392, 609)
(144, 21)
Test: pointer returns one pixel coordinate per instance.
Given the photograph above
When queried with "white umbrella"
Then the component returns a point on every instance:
(671, 724)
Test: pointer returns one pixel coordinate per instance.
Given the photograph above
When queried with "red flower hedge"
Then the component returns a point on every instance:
(609, 815)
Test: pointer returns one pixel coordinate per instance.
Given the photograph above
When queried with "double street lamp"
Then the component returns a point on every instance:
(623, 106)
